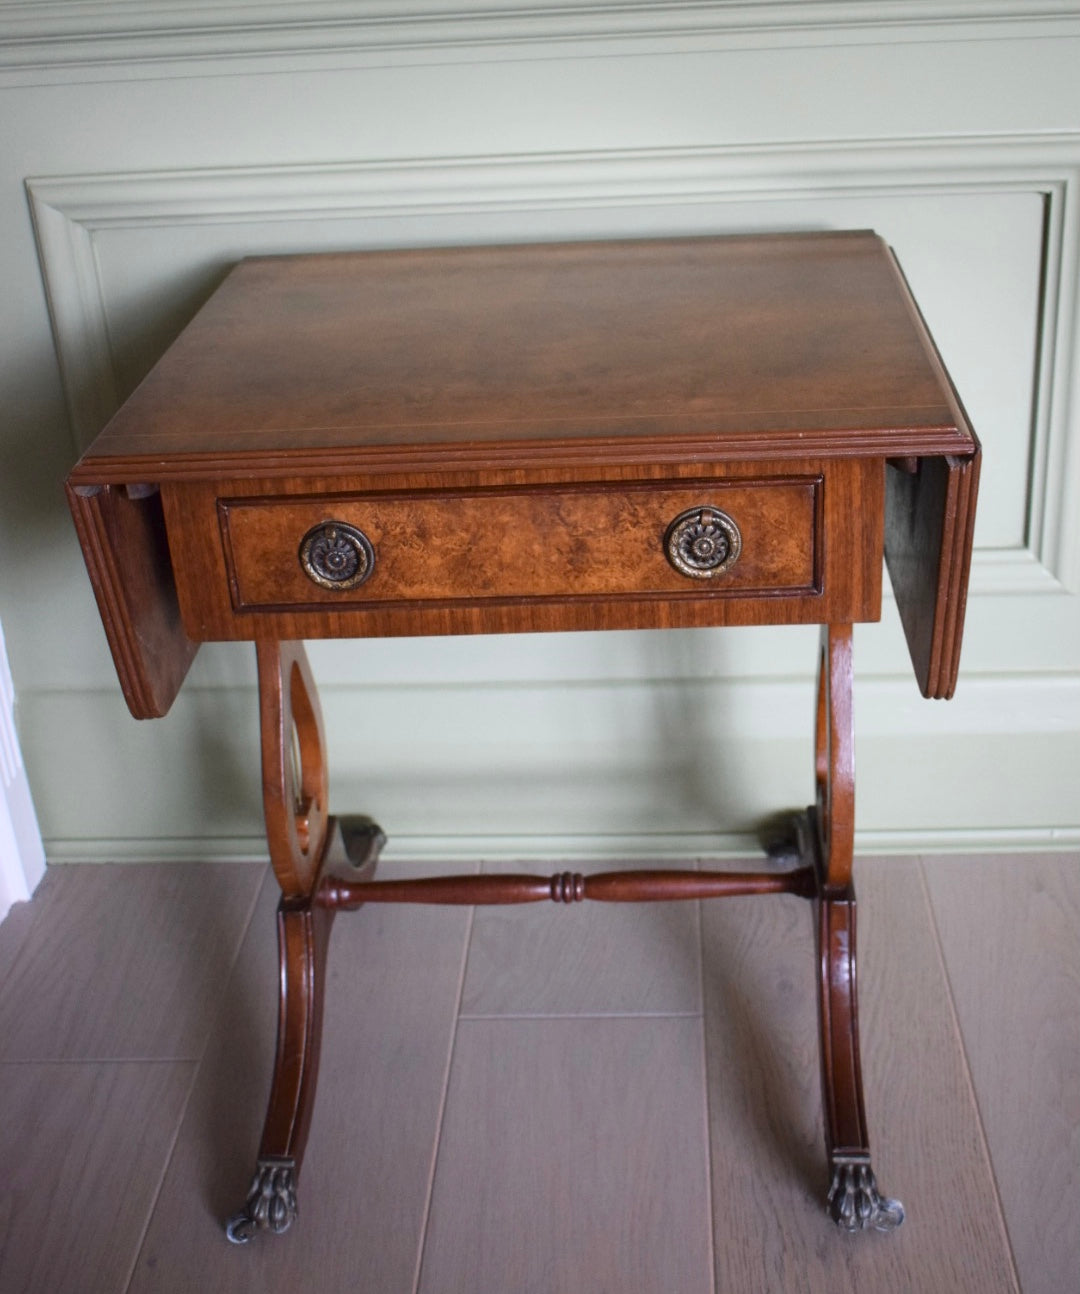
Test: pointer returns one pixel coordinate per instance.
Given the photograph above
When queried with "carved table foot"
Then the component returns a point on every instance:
(271, 1202)
(855, 1203)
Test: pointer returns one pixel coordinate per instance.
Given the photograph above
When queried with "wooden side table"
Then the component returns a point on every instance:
(487, 440)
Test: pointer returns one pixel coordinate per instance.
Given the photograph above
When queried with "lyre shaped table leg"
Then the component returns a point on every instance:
(854, 1201)
(307, 849)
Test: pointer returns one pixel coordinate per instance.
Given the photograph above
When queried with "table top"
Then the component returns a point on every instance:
(748, 347)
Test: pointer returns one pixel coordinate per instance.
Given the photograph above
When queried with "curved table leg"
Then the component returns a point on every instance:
(303, 936)
(854, 1201)
(303, 939)
(308, 850)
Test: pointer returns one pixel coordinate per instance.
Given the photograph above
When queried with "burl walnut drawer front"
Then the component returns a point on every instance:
(752, 538)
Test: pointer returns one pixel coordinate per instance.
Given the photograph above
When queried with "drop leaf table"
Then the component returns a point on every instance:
(599, 435)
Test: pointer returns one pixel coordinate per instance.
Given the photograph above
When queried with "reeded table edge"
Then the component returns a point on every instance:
(769, 446)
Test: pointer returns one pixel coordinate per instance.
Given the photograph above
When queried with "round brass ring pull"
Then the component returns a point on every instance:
(336, 555)
(702, 542)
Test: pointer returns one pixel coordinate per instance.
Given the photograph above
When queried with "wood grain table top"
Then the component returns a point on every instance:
(749, 347)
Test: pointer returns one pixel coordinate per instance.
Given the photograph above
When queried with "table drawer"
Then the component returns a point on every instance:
(699, 539)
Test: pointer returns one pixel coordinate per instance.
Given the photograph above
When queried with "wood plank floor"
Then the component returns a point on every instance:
(597, 1098)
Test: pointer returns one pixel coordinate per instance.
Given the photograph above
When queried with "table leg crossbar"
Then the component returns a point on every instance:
(566, 887)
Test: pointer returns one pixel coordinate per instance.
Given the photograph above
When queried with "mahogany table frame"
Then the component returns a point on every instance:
(790, 374)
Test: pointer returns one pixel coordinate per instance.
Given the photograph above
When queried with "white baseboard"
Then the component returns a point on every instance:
(553, 849)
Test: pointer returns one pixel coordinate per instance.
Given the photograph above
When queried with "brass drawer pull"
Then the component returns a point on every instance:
(336, 556)
(702, 542)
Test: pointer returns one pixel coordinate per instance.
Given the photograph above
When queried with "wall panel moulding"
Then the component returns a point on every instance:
(103, 36)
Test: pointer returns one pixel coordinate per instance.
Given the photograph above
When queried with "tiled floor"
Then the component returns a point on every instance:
(597, 1098)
